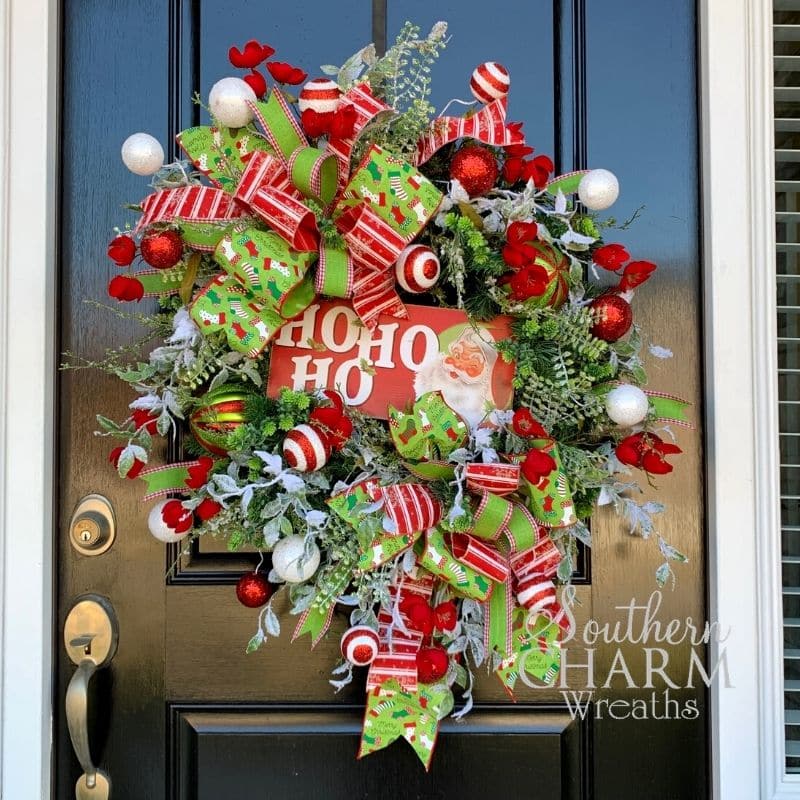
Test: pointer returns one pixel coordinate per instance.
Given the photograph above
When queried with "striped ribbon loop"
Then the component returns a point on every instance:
(487, 125)
(367, 108)
(374, 247)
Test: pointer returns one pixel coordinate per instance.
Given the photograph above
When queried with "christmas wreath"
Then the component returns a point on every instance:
(403, 364)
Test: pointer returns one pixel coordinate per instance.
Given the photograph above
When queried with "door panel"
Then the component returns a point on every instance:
(216, 748)
(186, 713)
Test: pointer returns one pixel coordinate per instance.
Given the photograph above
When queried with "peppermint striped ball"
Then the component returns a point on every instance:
(320, 95)
(360, 645)
(490, 81)
(305, 449)
(417, 269)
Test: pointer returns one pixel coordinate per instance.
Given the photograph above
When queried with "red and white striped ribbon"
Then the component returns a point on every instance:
(397, 652)
(374, 246)
(480, 556)
(487, 125)
(534, 570)
(411, 507)
(542, 559)
(189, 204)
(498, 479)
(264, 169)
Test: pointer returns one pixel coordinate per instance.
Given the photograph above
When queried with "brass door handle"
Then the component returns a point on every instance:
(90, 637)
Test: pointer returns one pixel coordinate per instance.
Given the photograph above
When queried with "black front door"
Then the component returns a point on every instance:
(182, 712)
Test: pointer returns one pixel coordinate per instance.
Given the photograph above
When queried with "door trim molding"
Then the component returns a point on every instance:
(29, 50)
(747, 737)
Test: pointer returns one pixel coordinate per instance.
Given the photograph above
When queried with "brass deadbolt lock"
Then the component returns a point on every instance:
(93, 527)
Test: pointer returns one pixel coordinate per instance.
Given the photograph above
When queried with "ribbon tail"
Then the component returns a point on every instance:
(162, 481)
(189, 204)
(498, 611)
(669, 409)
(392, 713)
(314, 621)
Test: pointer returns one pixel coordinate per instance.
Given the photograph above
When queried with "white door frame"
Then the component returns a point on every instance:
(29, 53)
(744, 547)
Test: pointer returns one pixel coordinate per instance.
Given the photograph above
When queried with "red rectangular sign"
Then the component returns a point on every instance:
(435, 348)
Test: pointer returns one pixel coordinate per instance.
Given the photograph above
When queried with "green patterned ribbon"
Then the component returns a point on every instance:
(393, 713)
(316, 620)
(534, 650)
(162, 481)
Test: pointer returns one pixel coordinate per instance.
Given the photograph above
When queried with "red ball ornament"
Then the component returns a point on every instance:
(613, 317)
(253, 590)
(475, 168)
(431, 664)
(162, 250)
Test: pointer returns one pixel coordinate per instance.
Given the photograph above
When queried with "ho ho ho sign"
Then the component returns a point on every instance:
(435, 348)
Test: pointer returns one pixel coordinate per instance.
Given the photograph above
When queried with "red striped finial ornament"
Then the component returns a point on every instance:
(320, 95)
(490, 81)
(305, 449)
(360, 645)
(417, 269)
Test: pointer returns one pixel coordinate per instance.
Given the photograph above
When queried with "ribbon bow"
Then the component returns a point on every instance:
(372, 215)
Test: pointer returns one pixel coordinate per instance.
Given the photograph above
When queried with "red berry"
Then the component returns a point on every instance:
(162, 250)
(207, 509)
(134, 471)
(420, 618)
(431, 664)
(144, 419)
(121, 250)
(124, 287)
(446, 616)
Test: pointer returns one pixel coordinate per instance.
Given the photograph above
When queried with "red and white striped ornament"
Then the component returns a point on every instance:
(490, 81)
(305, 449)
(320, 95)
(360, 645)
(417, 269)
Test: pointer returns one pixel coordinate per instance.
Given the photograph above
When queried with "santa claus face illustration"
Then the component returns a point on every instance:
(463, 374)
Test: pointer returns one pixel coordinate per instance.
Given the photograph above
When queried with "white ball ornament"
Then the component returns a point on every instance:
(360, 645)
(598, 189)
(289, 560)
(159, 529)
(417, 269)
(227, 101)
(142, 154)
(627, 405)
(320, 95)
(305, 449)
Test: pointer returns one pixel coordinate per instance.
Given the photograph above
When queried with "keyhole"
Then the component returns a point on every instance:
(85, 641)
